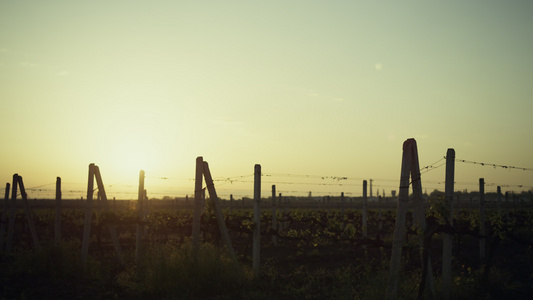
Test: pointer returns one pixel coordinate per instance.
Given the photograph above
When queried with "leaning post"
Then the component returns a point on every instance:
(88, 215)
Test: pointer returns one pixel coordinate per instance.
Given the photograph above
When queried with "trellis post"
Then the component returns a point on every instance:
(12, 214)
(365, 203)
(274, 217)
(140, 213)
(257, 220)
(410, 169)
(29, 214)
(88, 215)
(57, 228)
(447, 238)
(197, 204)
(5, 209)
(482, 229)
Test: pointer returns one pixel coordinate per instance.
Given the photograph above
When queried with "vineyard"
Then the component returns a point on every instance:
(319, 254)
(413, 246)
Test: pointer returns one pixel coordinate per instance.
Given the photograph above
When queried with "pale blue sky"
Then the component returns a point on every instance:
(302, 87)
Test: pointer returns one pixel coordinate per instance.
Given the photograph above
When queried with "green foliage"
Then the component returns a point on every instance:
(173, 271)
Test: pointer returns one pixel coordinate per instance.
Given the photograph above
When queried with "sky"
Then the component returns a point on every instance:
(322, 94)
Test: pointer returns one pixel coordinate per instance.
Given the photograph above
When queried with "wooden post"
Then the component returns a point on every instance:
(399, 228)
(365, 203)
(410, 168)
(12, 214)
(447, 238)
(29, 214)
(342, 205)
(257, 220)
(218, 211)
(274, 217)
(231, 200)
(482, 230)
(140, 214)
(88, 215)
(380, 216)
(57, 230)
(111, 227)
(5, 208)
(197, 204)
(427, 288)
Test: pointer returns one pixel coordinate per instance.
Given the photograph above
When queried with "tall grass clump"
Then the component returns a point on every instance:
(173, 271)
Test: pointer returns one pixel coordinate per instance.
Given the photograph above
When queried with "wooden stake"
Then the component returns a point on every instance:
(5, 209)
(12, 214)
(140, 213)
(257, 220)
(111, 227)
(365, 203)
(482, 218)
(419, 213)
(447, 238)
(57, 231)
(218, 211)
(410, 168)
(88, 215)
(197, 204)
(29, 214)
(274, 217)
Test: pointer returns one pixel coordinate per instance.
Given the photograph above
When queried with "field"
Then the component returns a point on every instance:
(315, 253)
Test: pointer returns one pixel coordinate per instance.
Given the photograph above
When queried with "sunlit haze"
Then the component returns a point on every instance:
(308, 88)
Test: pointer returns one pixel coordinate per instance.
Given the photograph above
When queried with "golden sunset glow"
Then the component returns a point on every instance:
(304, 88)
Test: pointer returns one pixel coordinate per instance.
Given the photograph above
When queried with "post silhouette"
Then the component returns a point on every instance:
(482, 217)
(5, 209)
(140, 214)
(410, 170)
(12, 214)
(274, 217)
(198, 203)
(257, 220)
(57, 229)
(447, 238)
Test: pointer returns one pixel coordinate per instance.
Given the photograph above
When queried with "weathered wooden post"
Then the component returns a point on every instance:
(231, 202)
(140, 213)
(447, 238)
(482, 230)
(410, 168)
(57, 230)
(257, 220)
(380, 215)
(88, 215)
(274, 217)
(197, 204)
(29, 214)
(12, 214)
(218, 211)
(499, 198)
(5, 207)
(365, 203)
(111, 227)
(342, 204)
